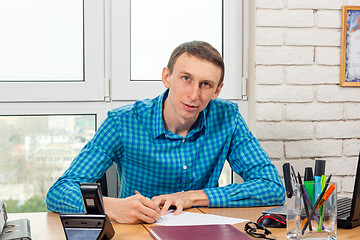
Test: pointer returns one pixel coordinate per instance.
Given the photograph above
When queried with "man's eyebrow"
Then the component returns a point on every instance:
(186, 73)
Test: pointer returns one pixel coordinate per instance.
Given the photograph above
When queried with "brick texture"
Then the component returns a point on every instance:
(302, 114)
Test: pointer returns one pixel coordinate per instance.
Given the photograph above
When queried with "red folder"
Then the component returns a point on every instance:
(198, 232)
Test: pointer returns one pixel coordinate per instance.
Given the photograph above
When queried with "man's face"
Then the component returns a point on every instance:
(192, 84)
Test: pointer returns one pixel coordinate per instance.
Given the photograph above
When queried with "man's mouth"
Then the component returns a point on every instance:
(190, 107)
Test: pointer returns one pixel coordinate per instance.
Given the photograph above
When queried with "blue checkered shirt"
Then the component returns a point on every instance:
(155, 161)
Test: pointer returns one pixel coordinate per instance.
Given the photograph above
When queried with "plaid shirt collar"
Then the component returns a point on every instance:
(153, 120)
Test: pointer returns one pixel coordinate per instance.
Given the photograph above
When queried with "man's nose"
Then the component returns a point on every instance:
(194, 92)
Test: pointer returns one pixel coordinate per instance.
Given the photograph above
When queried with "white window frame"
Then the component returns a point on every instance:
(125, 89)
(92, 89)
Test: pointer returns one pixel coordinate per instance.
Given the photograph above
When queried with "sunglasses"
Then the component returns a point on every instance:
(252, 227)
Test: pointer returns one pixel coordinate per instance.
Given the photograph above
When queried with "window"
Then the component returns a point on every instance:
(51, 49)
(78, 59)
(35, 151)
(131, 81)
(44, 41)
(165, 25)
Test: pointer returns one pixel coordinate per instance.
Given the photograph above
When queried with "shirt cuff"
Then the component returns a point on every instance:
(218, 197)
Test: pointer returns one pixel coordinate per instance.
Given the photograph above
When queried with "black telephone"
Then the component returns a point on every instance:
(95, 224)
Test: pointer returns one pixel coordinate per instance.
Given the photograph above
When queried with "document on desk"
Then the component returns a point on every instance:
(190, 218)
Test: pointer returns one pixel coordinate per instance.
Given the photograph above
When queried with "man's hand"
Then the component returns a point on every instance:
(134, 209)
(181, 200)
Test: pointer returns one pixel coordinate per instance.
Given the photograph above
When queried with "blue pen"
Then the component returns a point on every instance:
(319, 171)
(321, 211)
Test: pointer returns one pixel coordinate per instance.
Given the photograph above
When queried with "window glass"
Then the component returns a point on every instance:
(41, 40)
(34, 152)
(158, 26)
(226, 175)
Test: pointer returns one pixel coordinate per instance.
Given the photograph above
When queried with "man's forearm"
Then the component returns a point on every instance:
(198, 198)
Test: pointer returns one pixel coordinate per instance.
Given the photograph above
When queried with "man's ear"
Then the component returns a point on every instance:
(165, 77)
(217, 91)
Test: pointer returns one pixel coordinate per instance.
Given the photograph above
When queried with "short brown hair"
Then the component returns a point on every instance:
(201, 50)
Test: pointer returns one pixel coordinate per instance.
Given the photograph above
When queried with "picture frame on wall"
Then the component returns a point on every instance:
(350, 47)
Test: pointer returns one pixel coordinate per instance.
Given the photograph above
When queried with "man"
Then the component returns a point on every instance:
(172, 149)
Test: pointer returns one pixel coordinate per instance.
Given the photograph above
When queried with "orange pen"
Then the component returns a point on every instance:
(326, 196)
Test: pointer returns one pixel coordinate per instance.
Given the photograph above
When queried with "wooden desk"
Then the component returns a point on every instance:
(48, 225)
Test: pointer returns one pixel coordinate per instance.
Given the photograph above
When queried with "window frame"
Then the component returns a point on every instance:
(91, 89)
(234, 43)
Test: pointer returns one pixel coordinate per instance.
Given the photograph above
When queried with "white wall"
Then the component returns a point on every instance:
(301, 112)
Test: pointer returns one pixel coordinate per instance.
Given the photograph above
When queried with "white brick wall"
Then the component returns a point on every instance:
(270, 4)
(302, 114)
(352, 111)
(352, 2)
(312, 37)
(269, 112)
(269, 74)
(328, 56)
(335, 93)
(273, 148)
(284, 55)
(314, 74)
(314, 4)
(328, 19)
(313, 112)
(270, 36)
(285, 130)
(351, 147)
(338, 129)
(285, 18)
(348, 184)
(335, 166)
(313, 149)
(284, 93)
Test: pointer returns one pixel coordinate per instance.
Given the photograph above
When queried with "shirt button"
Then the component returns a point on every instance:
(184, 167)
(183, 140)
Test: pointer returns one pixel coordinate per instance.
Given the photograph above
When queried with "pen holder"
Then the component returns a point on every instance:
(323, 221)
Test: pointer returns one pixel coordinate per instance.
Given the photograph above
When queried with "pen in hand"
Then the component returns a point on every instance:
(138, 193)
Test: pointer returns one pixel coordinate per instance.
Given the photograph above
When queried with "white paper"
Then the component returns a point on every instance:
(189, 218)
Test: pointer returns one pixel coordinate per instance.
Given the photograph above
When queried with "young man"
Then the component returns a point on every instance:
(172, 149)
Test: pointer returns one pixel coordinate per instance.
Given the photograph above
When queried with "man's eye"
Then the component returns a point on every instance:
(186, 78)
(205, 84)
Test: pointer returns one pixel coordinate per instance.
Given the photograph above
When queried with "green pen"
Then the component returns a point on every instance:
(309, 183)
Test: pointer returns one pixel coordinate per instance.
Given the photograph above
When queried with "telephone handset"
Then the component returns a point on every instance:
(92, 198)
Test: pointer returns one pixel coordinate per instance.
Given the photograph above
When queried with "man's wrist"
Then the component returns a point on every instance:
(199, 198)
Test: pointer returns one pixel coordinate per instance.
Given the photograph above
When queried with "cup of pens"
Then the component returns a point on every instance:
(312, 211)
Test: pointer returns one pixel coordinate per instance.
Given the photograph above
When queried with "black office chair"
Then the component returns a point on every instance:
(103, 185)
(109, 182)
